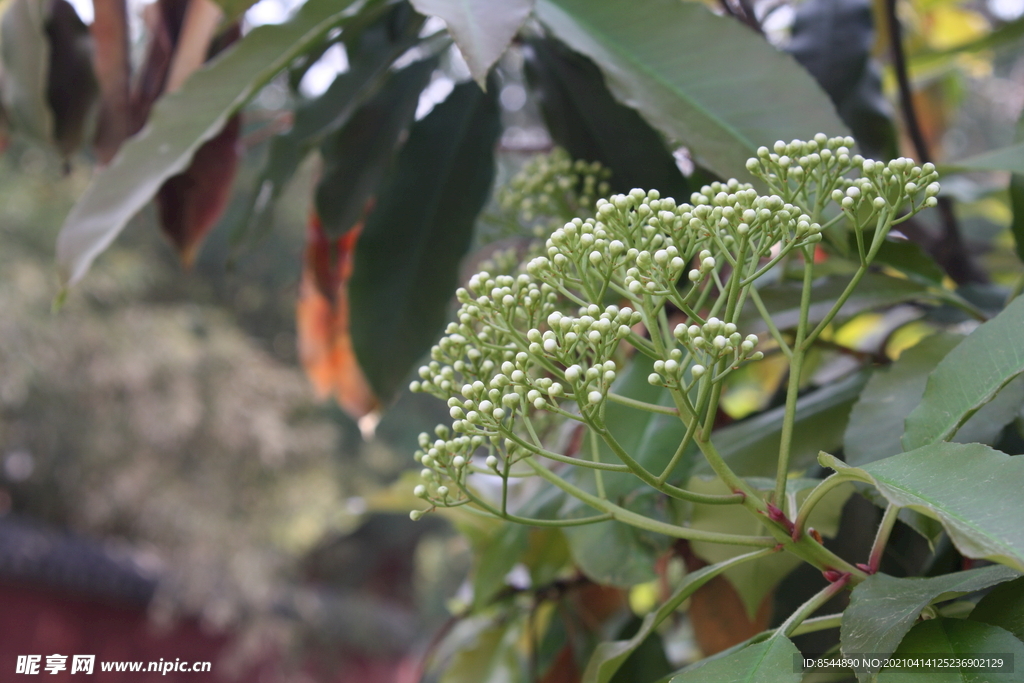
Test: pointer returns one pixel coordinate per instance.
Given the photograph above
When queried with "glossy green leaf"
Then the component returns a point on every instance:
(968, 377)
(883, 608)
(356, 158)
(833, 40)
(1017, 194)
(586, 119)
(910, 259)
(179, 124)
(756, 579)
(481, 28)
(956, 638)
(371, 53)
(407, 258)
(1003, 607)
(751, 447)
(1005, 159)
(609, 656)
(783, 299)
(976, 492)
(743, 94)
(25, 51)
(770, 661)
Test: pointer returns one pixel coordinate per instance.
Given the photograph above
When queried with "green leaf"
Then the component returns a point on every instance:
(751, 447)
(770, 661)
(956, 638)
(883, 608)
(1017, 194)
(833, 40)
(700, 79)
(407, 258)
(908, 258)
(609, 656)
(490, 655)
(782, 300)
(234, 9)
(1005, 159)
(1003, 607)
(179, 124)
(876, 420)
(371, 52)
(482, 29)
(968, 377)
(976, 492)
(614, 553)
(756, 579)
(356, 158)
(25, 50)
(585, 118)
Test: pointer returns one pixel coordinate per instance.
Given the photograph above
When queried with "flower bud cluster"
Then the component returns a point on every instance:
(550, 185)
(791, 169)
(707, 344)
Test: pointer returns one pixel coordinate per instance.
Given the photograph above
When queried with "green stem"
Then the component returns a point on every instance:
(815, 496)
(793, 389)
(813, 605)
(610, 467)
(642, 405)
(595, 455)
(882, 537)
(641, 522)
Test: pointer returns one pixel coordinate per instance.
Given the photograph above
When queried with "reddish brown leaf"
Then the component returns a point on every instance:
(564, 669)
(190, 203)
(717, 613)
(322, 317)
(112, 63)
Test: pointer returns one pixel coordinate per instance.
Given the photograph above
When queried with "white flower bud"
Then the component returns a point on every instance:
(698, 371)
(420, 491)
(491, 462)
(595, 397)
(442, 491)
(498, 414)
(572, 374)
(416, 515)
(550, 345)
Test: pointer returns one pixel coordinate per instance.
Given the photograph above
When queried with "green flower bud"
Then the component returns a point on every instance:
(698, 371)
(416, 515)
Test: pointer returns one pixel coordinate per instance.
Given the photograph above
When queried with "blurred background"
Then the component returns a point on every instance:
(170, 484)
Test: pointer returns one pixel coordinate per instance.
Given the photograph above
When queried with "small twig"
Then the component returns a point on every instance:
(949, 251)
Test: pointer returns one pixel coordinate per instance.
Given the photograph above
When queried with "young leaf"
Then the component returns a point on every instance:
(1003, 607)
(357, 156)
(699, 78)
(609, 656)
(585, 118)
(768, 661)
(883, 608)
(181, 122)
(956, 638)
(482, 29)
(976, 492)
(968, 377)
(407, 258)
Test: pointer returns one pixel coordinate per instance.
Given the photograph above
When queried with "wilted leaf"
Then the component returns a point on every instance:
(700, 79)
(180, 124)
(976, 492)
(586, 119)
(407, 259)
(968, 377)
(357, 157)
(190, 203)
(883, 608)
(481, 28)
(322, 322)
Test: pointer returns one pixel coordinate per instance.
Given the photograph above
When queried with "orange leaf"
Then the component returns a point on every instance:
(322, 316)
